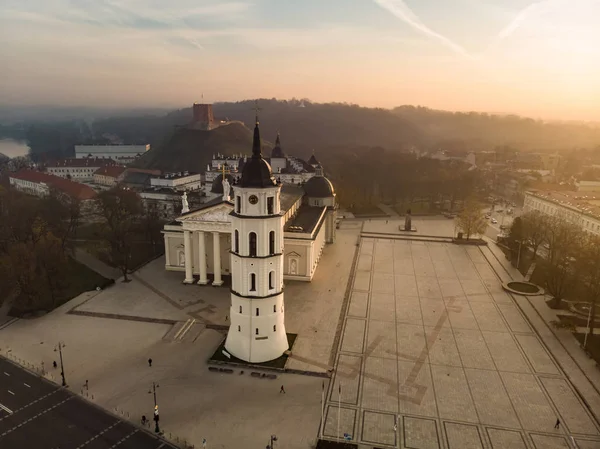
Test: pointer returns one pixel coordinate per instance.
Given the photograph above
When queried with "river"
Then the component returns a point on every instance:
(13, 148)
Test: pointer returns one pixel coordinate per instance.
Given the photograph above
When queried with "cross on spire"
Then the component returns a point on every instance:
(256, 109)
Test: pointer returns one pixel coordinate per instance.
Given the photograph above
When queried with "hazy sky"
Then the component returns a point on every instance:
(533, 58)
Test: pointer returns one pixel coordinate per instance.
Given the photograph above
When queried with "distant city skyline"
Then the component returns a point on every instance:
(538, 59)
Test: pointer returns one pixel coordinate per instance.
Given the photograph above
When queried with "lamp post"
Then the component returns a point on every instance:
(273, 439)
(60, 347)
(588, 327)
(156, 416)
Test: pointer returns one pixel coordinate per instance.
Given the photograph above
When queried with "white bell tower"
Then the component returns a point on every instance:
(257, 327)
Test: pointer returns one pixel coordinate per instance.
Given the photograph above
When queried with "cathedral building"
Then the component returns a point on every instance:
(201, 243)
(287, 170)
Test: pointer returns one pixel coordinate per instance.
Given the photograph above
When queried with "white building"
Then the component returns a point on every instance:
(286, 169)
(309, 218)
(257, 330)
(122, 154)
(179, 182)
(81, 170)
(43, 184)
(582, 210)
(587, 186)
(109, 175)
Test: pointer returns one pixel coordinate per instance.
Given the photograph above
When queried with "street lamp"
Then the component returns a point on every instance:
(273, 438)
(156, 416)
(60, 347)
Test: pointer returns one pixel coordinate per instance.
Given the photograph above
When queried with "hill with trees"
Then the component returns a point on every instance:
(480, 131)
(305, 126)
(191, 149)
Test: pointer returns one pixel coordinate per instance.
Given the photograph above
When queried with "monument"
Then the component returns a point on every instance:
(408, 222)
(185, 207)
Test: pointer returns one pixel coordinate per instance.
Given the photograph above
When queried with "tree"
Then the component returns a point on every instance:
(471, 221)
(121, 210)
(588, 269)
(152, 226)
(564, 239)
(535, 229)
(516, 236)
(52, 264)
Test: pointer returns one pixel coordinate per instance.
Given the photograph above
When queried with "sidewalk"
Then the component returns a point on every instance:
(93, 263)
(388, 210)
(581, 370)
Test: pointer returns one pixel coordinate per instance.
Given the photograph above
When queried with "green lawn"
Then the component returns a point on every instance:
(368, 210)
(80, 279)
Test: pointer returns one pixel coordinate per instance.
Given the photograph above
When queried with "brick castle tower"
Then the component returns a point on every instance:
(203, 118)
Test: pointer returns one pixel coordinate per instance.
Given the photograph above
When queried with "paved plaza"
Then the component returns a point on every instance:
(431, 338)
(414, 329)
(195, 403)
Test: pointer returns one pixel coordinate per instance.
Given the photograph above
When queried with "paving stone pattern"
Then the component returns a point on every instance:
(431, 340)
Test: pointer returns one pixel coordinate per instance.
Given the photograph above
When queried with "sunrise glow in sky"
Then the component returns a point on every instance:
(540, 59)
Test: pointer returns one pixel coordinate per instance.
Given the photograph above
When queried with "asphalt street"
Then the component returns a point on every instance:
(35, 413)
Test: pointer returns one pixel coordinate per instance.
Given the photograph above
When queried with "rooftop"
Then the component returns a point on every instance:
(83, 162)
(112, 171)
(178, 175)
(71, 188)
(587, 203)
(306, 220)
(289, 195)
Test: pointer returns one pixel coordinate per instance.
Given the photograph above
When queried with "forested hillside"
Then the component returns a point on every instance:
(305, 126)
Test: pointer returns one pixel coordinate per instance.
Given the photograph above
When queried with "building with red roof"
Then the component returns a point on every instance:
(109, 175)
(78, 169)
(40, 184)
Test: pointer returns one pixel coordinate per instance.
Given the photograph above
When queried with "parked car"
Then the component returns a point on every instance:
(494, 221)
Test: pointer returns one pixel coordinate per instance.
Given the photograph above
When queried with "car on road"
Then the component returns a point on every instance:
(494, 221)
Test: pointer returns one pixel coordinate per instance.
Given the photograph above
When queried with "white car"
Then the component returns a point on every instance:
(494, 221)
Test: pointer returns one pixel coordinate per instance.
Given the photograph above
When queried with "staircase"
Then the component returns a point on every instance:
(186, 332)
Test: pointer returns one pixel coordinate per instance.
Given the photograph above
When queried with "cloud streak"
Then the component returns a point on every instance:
(523, 15)
(399, 9)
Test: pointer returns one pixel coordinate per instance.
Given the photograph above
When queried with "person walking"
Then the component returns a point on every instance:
(557, 425)
(144, 420)
(149, 362)
(54, 364)
(282, 390)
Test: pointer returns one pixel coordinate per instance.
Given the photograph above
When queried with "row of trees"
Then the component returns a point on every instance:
(38, 238)
(368, 176)
(35, 244)
(572, 260)
(125, 222)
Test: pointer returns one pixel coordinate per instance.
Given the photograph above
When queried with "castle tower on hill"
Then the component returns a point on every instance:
(203, 117)
(257, 329)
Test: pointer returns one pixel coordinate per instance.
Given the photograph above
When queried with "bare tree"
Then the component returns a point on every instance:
(565, 240)
(535, 229)
(121, 209)
(471, 221)
(588, 269)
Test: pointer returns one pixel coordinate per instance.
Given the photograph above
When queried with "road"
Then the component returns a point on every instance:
(503, 219)
(35, 413)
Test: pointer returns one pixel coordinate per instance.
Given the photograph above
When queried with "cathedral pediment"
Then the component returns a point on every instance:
(218, 213)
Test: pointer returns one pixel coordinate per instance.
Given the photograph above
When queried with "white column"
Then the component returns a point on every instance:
(217, 254)
(187, 244)
(167, 252)
(202, 258)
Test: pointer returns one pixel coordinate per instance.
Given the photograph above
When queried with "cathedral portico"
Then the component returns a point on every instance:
(202, 258)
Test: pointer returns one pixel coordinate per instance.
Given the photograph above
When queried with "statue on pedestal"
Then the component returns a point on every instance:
(185, 207)
(408, 221)
(226, 188)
